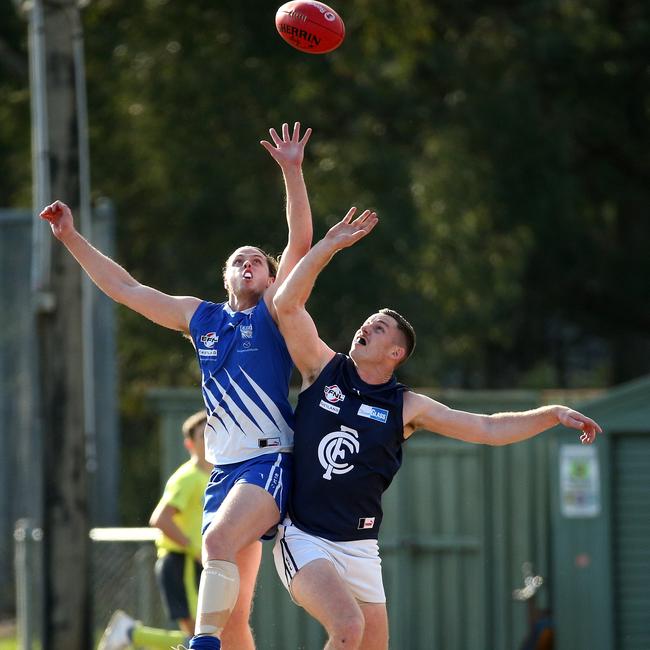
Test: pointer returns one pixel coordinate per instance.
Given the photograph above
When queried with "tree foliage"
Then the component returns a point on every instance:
(503, 144)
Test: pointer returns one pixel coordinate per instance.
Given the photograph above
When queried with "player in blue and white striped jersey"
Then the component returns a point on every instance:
(245, 370)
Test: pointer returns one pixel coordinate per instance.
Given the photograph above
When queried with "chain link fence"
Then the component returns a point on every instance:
(121, 576)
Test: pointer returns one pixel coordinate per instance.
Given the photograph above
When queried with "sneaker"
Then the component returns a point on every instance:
(116, 635)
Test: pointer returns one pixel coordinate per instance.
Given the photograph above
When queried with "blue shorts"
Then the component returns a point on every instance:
(272, 472)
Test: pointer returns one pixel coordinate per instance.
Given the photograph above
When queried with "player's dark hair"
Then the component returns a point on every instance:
(405, 327)
(196, 422)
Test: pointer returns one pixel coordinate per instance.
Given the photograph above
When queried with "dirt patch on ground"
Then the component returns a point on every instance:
(7, 629)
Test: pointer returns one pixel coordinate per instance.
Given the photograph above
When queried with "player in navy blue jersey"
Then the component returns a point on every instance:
(245, 369)
(351, 420)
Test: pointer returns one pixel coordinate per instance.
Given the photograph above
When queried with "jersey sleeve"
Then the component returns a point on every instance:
(197, 318)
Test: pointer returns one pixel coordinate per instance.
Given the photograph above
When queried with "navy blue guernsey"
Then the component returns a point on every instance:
(348, 439)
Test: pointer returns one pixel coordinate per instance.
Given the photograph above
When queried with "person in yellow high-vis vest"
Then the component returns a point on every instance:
(178, 516)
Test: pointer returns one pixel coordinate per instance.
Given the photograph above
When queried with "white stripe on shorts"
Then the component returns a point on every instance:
(279, 486)
(272, 472)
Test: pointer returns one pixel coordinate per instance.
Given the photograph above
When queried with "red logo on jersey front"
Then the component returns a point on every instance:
(334, 394)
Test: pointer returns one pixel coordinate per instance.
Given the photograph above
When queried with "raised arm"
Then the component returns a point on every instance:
(422, 412)
(173, 312)
(288, 152)
(308, 351)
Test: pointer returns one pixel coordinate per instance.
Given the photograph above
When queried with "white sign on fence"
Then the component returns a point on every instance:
(579, 481)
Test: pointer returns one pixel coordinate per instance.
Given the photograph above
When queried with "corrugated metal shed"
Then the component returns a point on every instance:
(601, 567)
(460, 520)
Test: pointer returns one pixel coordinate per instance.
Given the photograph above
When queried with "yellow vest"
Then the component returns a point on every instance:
(185, 492)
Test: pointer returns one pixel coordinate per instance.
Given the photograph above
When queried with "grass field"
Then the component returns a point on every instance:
(8, 635)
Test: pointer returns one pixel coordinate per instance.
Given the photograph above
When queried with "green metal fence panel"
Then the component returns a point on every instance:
(592, 555)
(517, 531)
(582, 580)
(631, 523)
(459, 521)
(432, 545)
(173, 405)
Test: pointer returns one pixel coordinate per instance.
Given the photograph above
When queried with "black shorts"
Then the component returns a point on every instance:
(170, 574)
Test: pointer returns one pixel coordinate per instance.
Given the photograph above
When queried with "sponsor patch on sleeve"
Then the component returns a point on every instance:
(329, 407)
(373, 412)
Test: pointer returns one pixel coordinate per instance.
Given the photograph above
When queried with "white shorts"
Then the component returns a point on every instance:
(358, 562)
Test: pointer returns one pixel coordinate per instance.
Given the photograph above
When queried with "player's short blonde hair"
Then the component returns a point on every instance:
(193, 423)
(272, 262)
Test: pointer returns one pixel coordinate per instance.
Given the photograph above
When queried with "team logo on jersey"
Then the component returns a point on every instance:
(373, 412)
(246, 331)
(335, 449)
(209, 339)
(334, 394)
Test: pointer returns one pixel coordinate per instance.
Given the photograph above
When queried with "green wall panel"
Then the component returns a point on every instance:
(459, 521)
(631, 526)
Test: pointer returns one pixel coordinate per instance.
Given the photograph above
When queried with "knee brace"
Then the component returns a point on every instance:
(218, 593)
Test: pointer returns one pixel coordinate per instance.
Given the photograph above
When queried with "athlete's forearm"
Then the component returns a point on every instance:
(297, 288)
(505, 428)
(299, 218)
(107, 274)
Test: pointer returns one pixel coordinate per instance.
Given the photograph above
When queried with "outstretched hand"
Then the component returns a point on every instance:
(60, 218)
(575, 420)
(289, 149)
(347, 232)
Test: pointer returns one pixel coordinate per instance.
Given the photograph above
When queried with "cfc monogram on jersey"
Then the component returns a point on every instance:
(347, 449)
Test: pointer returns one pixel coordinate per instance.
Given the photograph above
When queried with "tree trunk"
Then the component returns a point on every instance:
(66, 544)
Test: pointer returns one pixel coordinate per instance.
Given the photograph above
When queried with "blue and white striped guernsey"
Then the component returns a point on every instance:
(245, 368)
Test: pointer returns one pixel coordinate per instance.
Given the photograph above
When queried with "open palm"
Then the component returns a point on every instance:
(289, 149)
(347, 232)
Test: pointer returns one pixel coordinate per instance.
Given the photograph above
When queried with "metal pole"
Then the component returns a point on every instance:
(28, 557)
(85, 213)
(41, 191)
(26, 539)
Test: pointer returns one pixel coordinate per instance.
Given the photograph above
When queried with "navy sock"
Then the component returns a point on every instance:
(205, 642)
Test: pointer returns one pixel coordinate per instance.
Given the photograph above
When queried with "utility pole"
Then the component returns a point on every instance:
(60, 359)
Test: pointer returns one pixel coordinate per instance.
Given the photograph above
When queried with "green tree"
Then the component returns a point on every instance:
(503, 144)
